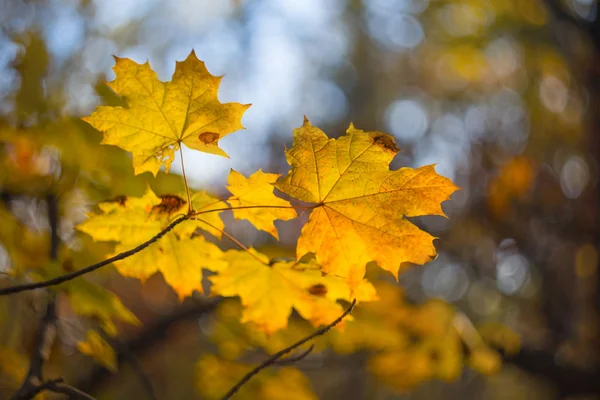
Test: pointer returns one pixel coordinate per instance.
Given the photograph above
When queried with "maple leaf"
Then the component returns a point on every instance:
(257, 190)
(360, 204)
(269, 291)
(180, 255)
(162, 115)
(94, 301)
(99, 349)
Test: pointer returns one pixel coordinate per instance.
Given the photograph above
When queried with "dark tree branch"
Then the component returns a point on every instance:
(275, 357)
(128, 355)
(67, 277)
(146, 339)
(40, 353)
(559, 12)
(47, 330)
(296, 358)
(34, 380)
(568, 380)
(59, 386)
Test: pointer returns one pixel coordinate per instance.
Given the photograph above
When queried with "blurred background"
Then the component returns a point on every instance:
(503, 95)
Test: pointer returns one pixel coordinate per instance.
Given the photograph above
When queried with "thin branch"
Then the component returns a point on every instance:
(296, 358)
(47, 330)
(40, 353)
(135, 365)
(234, 240)
(146, 340)
(275, 357)
(121, 256)
(559, 12)
(200, 212)
(185, 181)
(67, 277)
(59, 386)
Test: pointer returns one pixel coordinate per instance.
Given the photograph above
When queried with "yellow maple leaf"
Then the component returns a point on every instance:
(257, 190)
(91, 300)
(360, 204)
(269, 291)
(180, 255)
(162, 115)
(99, 349)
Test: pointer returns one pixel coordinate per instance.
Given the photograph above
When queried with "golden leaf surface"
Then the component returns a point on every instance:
(94, 301)
(360, 204)
(269, 291)
(162, 115)
(99, 349)
(180, 255)
(257, 191)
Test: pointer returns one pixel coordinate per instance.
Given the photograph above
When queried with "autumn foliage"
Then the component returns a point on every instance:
(358, 211)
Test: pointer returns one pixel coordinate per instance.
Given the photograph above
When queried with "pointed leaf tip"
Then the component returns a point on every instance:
(162, 115)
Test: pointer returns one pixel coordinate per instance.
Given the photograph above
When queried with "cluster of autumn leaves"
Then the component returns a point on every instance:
(358, 205)
(358, 215)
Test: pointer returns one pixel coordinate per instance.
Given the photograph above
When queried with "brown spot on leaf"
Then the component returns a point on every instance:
(169, 203)
(318, 290)
(208, 137)
(386, 141)
(161, 249)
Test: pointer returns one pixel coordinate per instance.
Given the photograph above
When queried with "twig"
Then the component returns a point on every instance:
(185, 181)
(146, 340)
(135, 365)
(295, 359)
(200, 212)
(273, 359)
(59, 386)
(41, 351)
(47, 331)
(67, 277)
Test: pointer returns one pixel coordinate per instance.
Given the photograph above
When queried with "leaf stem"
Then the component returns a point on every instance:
(185, 181)
(233, 239)
(200, 212)
(273, 359)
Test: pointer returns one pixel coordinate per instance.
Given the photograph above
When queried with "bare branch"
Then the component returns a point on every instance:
(59, 386)
(40, 353)
(275, 357)
(121, 256)
(296, 358)
(67, 277)
(128, 355)
(147, 339)
(47, 331)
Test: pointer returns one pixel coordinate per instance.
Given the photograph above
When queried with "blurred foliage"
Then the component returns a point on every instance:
(500, 93)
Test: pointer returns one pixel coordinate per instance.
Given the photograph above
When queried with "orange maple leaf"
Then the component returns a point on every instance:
(360, 204)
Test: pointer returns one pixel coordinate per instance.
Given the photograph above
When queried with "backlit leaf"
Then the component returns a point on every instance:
(93, 301)
(180, 255)
(96, 347)
(270, 291)
(162, 115)
(257, 190)
(360, 203)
